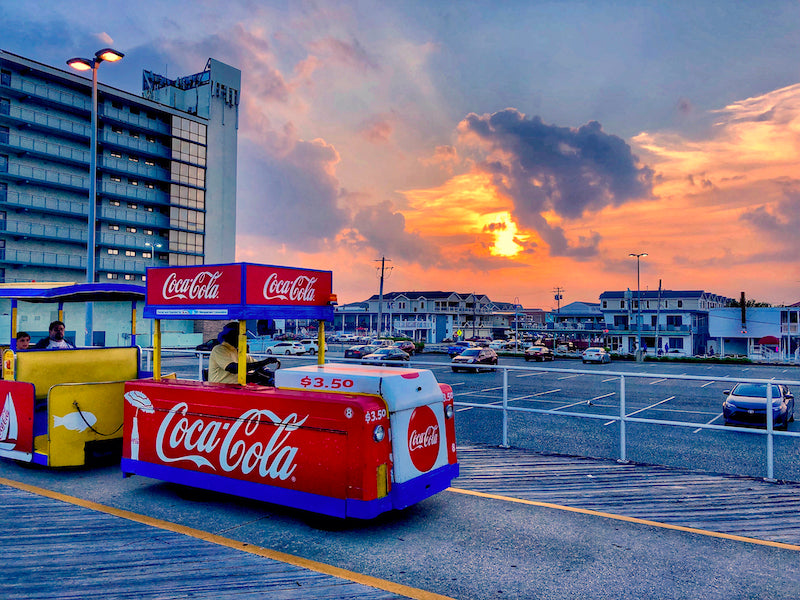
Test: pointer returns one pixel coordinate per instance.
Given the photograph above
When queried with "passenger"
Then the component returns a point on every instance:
(56, 339)
(223, 362)
(23, 340)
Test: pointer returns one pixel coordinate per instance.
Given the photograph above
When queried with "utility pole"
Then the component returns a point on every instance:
(558, 291)
(382, 260)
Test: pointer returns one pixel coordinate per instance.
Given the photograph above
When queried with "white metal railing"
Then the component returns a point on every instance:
(623, 417)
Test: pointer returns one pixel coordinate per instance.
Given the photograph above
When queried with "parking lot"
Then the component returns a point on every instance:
(571, 388)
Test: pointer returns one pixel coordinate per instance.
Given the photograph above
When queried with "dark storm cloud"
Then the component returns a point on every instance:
(292, 197)
(384, 230)
(568, 171)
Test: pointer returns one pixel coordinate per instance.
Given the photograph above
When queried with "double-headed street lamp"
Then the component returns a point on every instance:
(91, 64)
(153, 252)
(638, 302)
(88, 64)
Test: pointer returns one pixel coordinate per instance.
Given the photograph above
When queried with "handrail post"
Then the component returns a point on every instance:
(505, 408)
(623, 457)
(770, 430)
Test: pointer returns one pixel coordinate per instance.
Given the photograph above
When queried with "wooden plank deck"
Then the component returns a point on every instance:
(721, 503)
(53, 549)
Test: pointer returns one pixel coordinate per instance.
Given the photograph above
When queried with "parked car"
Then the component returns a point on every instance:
(746, 404)
(359, 351)
(538, 353)
(595, 354)
(406, 346)
(207, 346)
(387, 355)
(286, 347)
(312, 345)
(472, 359)
(458, 347)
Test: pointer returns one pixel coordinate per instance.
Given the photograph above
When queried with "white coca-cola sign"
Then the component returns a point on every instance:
(231, 445)
(418, 440)
(202, 286)
(299, 289)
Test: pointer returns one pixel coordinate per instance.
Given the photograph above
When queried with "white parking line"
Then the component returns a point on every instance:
(709, 423)
(580, 402)
(707, 384)
(532, 374)
(603, 396)
(570, 376)
(657, 381)
(636, 412)
(535, 395)
(610, 379)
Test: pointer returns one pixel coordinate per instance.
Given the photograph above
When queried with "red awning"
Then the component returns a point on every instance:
(769, 340)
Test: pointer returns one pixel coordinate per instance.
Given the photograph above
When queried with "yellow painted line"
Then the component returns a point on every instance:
(595, 513)
(311, 565)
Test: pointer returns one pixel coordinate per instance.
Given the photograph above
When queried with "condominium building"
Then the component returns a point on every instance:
(166, 172)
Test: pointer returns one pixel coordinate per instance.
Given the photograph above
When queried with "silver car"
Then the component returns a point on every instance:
(595, 354)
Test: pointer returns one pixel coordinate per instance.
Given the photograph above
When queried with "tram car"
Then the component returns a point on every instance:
(344, 440)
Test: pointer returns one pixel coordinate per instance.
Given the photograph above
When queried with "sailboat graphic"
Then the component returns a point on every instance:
(8, 425)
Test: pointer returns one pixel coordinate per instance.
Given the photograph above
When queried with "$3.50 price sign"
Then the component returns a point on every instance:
(335, 383)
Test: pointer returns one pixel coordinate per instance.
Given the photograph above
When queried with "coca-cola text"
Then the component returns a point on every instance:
(203, 286)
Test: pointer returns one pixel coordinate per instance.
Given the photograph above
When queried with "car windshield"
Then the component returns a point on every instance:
(383, 351)
(755, 390)
(471, 352)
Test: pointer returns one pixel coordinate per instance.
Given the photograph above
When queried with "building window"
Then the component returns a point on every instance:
(112, 276)
(130, 253)
(605, 303)
(130, 229)
(114, 227)
(3, 135)
(114, 202)
(116, 155)
(113, 251)
(676, 343)
(133, 182)
(150, 163)
(674, 320)
(132, 205)
(622, 303)
(5, 106)
(680, 303)
(133, 158)
(116, 179)
(128, 276)
(3, 163)
(5, 77)
(150, 186)
(135, 135)
(115, 129)
(147, 255)
(134, 110)
(148, 232)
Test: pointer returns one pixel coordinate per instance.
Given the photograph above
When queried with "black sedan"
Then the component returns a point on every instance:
(359, 351)
(387, 356)
(472, 359)
(746, 404)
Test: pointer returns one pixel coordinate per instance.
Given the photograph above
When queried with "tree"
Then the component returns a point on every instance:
(747, 303)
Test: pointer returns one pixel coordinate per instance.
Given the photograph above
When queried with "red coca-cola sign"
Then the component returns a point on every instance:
(288, 287)
(423, 438)
(197, 285)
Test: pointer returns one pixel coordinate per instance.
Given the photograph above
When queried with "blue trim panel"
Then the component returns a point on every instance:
(401, 496)
(417, 489)
(246, 489)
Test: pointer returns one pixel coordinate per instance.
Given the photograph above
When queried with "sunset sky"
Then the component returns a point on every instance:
(505, 148)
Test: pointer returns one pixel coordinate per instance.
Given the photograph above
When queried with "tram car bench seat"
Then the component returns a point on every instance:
(78, 399)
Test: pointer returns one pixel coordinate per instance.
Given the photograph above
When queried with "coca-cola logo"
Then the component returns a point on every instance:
(423, 438)
(202, 286)
(235, 445)
(300, 289)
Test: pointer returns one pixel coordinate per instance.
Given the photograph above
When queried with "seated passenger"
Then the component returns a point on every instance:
(56, 339)
(223, 362)
(23, 340)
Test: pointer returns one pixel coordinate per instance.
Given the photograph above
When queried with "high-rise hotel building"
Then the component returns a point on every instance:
(166, 172)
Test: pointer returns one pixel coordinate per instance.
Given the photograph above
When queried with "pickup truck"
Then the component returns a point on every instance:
(458, 347)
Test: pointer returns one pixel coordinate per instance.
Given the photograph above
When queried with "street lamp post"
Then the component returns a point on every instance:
(92, 64)
(153, 258)
(638, 303)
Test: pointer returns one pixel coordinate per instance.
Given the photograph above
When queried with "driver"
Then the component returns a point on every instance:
(223, 362)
